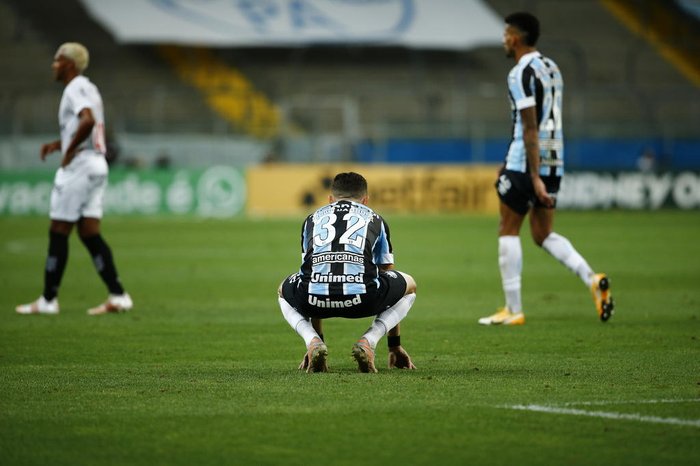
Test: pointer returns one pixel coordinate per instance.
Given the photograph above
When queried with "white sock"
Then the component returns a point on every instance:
(562, 250)
(386, 320)
(298, 322)
(510, 261)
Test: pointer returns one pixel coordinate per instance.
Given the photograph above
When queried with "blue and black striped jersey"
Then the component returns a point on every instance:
(342, 246)
(535, 81)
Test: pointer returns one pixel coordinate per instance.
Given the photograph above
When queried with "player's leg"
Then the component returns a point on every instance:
(89, 230)
(316, 350)
(411, 285)
(541, 221)
(66, 197)
(396, 296)
(559, 247)
(118, 299)
(510, 263)
(402, 285)
(101, 253)
(56, 259)
(318, 326)
(514, 192)
(510, 256)
(300, 323)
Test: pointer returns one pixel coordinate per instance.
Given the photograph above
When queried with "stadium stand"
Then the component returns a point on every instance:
(141, 92)
(670, 27)
(227, 90)
(367, 103)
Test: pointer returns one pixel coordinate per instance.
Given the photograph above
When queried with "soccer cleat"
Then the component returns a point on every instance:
(317, 354)
(364, 355)
(115, 303)
(504, 317)
(40, 306)
(602, 297)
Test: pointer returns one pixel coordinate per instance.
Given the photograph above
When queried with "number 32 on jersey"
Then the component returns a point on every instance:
(354, 234)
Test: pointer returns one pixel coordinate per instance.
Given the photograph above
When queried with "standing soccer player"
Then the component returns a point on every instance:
(347, 271)
(530, 178)
(79, 185)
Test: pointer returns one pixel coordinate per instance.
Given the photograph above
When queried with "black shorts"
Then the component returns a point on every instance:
(392, 287)
(515, 190)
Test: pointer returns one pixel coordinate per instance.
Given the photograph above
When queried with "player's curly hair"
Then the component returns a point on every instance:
(77, 53)
(526, 23)
(349, 185)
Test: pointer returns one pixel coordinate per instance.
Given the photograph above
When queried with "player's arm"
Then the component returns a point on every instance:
(49, 147)
(398, 357)
(528, 116)
(85, 124)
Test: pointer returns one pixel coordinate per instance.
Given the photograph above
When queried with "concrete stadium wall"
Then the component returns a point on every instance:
(145, 151)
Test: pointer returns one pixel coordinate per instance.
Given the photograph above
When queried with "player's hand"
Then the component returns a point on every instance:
(399, 358)
(46, 149)
(304, 362)
(541, 192)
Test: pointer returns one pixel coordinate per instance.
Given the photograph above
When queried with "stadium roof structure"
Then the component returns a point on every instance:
(420, 24)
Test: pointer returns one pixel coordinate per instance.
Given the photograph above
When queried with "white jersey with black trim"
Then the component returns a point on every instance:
(342, 246)
(81, 93)
(535, 81)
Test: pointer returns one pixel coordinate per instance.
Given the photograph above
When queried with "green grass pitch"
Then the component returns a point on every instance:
(203, 370)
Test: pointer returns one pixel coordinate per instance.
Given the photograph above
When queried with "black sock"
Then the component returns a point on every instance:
(102, 258)
(55, 264)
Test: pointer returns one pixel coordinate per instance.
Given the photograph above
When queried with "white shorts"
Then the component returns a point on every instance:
(78, 189)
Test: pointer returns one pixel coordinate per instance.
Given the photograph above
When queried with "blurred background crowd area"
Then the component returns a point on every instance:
(631, 71)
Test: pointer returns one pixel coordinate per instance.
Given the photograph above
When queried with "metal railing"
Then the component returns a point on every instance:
(614, 112)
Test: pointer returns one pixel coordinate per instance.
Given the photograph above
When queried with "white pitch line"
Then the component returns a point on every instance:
(607, 415)
(630, 402)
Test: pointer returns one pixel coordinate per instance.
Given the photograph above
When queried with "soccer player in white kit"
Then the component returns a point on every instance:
(79, 185)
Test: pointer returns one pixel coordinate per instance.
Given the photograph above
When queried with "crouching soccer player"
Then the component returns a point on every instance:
(347, 271)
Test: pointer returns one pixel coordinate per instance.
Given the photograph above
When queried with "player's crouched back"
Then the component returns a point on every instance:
(347, 271)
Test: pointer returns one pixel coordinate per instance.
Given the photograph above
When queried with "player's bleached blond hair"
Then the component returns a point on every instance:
(75, 52)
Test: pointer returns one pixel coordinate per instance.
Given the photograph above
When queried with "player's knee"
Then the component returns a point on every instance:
(539, 235)
(88, 227)
(61, 227)
(539, 238)
(411, 285)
